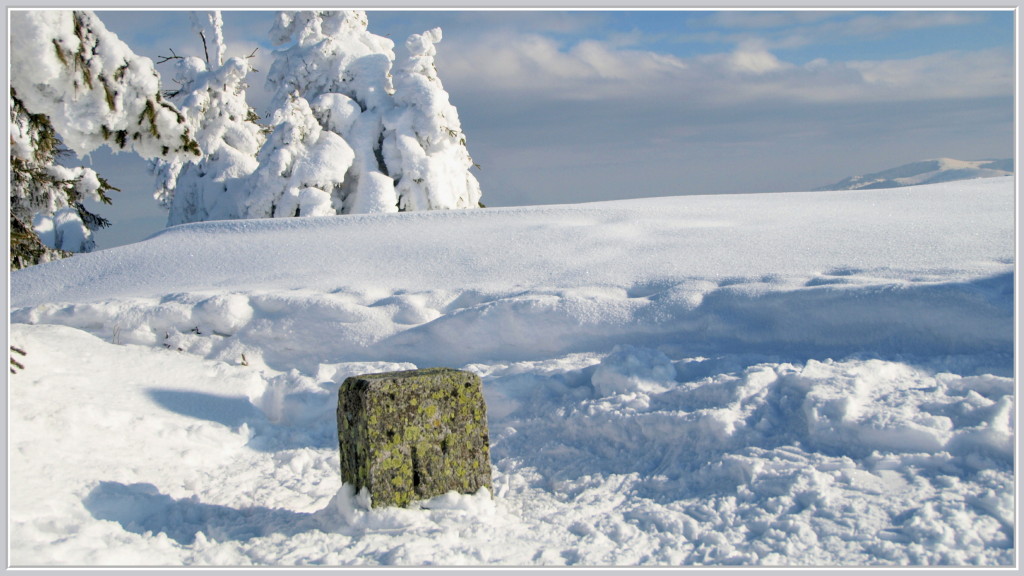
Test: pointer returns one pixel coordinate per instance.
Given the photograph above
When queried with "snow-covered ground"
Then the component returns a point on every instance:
(927, 172)
(805, 379)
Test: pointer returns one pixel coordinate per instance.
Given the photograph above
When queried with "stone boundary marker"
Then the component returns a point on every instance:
(413, 435)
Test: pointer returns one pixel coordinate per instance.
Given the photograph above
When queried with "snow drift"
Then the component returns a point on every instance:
(925, 270)
(806, 379)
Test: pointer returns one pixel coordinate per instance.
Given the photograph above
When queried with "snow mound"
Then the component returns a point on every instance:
(894, 273)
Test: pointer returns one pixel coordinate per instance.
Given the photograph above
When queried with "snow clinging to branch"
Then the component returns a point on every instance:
(95, 90)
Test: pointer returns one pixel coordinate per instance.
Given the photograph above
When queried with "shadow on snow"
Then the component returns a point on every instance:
(141, 508)
(235, 411)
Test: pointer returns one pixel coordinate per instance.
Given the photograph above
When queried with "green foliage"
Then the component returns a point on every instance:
(149, 115)
(81, 63)
(26, 248)
(109, 93)
(60, 53)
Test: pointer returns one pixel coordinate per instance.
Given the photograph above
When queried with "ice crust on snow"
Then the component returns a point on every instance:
(779, 379)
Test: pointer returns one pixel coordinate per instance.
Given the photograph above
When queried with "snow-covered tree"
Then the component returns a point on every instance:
(91, 86)
(330, 51)
(74, 83)
(210, 27)
(302, 167)
(212, 97)
(48, 217)
(424, 147)
(332, 78)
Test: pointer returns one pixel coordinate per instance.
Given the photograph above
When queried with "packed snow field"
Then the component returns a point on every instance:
(803, 379)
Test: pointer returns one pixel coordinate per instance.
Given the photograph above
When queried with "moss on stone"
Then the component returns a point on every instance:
(413, 435)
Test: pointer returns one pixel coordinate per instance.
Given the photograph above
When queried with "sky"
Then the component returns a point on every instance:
(587, 105)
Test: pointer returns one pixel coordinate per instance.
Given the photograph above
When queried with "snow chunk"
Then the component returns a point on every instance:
(224, 314)
(630, 369)
(64, 230)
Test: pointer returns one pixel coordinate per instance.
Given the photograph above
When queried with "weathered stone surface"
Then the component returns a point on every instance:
(413, 435)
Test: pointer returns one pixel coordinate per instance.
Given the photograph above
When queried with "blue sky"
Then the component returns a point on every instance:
(577, 106)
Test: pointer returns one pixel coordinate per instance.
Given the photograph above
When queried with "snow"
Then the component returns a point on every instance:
(64, 230)
(313, 159)
(927, 172)
(392, 138)
(424, 146)
(211, 97)
(91, 85)
(330, 60)
(778, 379)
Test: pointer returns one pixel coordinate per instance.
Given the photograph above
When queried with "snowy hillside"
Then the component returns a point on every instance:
(802, 379)
(927, 172)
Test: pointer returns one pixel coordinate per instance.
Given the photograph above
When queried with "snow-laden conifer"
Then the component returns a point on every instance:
(332, 85)
(91, 86)
(75, 84)
(330, 51)
(210, 27)
(424, 147)
(211, 95)
(48, 217)
(301, 167)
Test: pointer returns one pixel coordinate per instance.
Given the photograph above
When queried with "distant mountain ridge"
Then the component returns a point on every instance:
(926, 172)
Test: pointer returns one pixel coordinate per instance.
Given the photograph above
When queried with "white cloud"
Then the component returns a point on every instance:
(883, 24)
(536, 64)
(798, 29)
(753, 58)
(539, 68)
(765, 19)
(944, 75)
